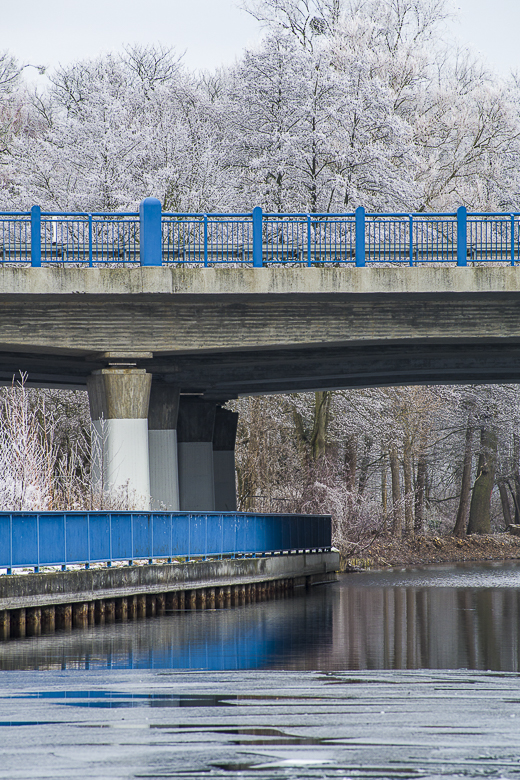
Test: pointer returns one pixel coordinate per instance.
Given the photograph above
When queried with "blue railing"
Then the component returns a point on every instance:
(35, 539)
(257, 239)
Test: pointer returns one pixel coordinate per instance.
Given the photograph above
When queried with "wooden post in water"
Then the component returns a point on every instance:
(160, 604)
(122, 608)
(141, 606)
(64, 617)
(48, 620)
(110, 610)
(33, 621)
(5, 624)
(99, 612)
(80, 615)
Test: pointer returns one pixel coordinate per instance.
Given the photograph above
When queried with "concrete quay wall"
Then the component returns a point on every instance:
(35, 603)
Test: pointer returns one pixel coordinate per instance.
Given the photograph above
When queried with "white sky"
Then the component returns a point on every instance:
(212, 32)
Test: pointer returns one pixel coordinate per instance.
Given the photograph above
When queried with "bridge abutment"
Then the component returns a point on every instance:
(162, 446)
(119, 400)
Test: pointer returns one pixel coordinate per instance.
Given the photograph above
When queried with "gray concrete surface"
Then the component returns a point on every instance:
(84, 585)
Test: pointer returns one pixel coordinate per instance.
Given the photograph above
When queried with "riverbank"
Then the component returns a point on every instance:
(386, 551)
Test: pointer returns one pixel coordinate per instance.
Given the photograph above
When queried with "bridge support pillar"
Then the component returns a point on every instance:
(224, 436)
(195, 426)
(162, 446)
(119, 399)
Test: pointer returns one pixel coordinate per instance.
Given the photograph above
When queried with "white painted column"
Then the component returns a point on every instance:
(119, 400)
(195, 426)
(162, 446)
(224, 436)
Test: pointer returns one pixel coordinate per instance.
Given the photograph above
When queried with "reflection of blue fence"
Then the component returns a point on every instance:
(34, 539)
(257, 238)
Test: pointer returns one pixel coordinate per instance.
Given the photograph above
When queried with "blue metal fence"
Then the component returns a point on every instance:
(257, 239)
(34, 539)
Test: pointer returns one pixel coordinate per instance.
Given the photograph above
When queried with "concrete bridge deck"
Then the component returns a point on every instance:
(224, 332)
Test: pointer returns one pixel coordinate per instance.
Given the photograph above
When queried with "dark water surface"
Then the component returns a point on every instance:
(445, 617)
(409, 674)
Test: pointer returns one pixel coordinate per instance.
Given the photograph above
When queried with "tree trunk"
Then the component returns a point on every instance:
(465, 486)
(365, 462)
(420, 494)
(408, 487)
(350, 462)
(384, 494)
(516, 473)
(397, 525)
(321, 423)
(479, 511)
(506, 507)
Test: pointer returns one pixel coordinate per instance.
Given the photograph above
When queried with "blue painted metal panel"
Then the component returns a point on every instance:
(143, 535)
(25, 540)
(180, 533)
(5, 539)
(99, 528)
(214, 533)
(198, 534)
(121, 536)
(77, 547)
(56, 538)
(161, 535)
(52, 538)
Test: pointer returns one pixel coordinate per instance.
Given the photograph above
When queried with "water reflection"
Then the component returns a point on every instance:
(444, 618)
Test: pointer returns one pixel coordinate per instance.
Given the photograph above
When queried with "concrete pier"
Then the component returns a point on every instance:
(224, 436)
(119, 399)
(162, 446)
(195, 428)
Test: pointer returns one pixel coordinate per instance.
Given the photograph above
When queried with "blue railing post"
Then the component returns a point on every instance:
(462, 236)
(257, 237)
(410, 239)
(36, 237)
(512, 239)
(205, 240)
(90, 241)
(360, 236)
(150, 240)
(309, 240)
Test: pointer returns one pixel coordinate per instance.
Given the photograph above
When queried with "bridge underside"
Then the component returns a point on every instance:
(225, 375)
